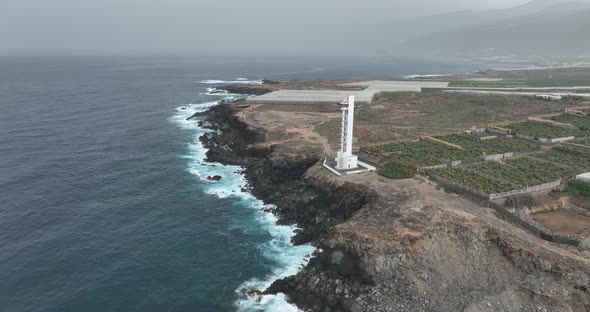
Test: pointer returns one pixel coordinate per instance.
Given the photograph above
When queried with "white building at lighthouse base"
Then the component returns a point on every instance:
(346, 162)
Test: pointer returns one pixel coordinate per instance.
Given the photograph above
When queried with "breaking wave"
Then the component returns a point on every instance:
(219, 92)
(286, 258)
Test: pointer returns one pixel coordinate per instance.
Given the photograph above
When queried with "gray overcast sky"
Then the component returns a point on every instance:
(155, 26)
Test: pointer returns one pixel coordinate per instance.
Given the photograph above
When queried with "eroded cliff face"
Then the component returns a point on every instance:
(456, 270)
(396, 246)
(399, 254)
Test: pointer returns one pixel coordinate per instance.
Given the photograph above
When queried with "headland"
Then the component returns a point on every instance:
(434, 240)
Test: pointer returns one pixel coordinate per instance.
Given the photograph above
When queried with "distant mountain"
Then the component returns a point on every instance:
(424, 25)
(542, 27)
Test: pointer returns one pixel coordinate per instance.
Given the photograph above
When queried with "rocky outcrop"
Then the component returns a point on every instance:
(250, 89)
(215, 178)
(245, 89)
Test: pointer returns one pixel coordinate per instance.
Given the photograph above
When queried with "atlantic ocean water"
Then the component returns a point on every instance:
(104, 201)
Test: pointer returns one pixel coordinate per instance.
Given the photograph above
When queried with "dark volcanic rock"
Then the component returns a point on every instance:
(279, 177)
(216, 178)
(217, 91)
(245, 89)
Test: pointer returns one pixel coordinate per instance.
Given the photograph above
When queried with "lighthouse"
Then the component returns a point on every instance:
(345, 160)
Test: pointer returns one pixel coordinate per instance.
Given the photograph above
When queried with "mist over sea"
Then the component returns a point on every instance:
(104, 202)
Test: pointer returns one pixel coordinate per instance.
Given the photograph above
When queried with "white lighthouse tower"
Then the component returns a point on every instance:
(345, 160)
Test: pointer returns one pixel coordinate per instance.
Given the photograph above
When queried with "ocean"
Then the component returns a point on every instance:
(104, 201)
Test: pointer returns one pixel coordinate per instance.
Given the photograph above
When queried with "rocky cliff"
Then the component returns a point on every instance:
(396, 245)
(281, 176)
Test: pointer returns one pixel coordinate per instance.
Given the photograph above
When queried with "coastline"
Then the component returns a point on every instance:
(356, 267)
(286, 258)
(310, 202)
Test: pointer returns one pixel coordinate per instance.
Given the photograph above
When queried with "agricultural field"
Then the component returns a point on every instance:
(499, 145)
(583, 141)
(546, 171)
(473, 180)
(507, 173)
(578, 162)
(581, 151)
(423, 154)
(539, 130)
(489, 84)
(552, 77)
(581, 122)
(523, 172)
(402, 115)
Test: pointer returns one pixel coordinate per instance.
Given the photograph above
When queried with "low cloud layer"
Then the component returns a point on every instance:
(164, 26)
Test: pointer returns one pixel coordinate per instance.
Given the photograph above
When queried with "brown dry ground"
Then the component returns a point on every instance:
(562, 214)
(563, 222)
(398, 116)
(290, 127)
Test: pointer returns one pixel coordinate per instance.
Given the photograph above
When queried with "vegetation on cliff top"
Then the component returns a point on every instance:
(397, 170)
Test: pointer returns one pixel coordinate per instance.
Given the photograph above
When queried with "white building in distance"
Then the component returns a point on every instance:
(552, 97)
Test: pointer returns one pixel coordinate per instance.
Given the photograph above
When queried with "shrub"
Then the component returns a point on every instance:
(511, 202)
(520, 201)
(452, 190)
(529, 200)
(397, 170)
(579, 188)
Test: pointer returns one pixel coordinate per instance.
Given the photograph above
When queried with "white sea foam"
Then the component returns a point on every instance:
(218, 92)
(287, 259)
(235, 81)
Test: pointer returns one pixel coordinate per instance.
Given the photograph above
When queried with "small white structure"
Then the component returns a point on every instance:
(345, 160)
(553, 97)
(585, 177)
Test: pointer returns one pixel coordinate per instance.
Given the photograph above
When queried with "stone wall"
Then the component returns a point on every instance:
(547, 187)
(553, 123)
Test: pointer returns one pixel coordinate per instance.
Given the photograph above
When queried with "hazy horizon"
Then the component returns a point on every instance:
(70, 27)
